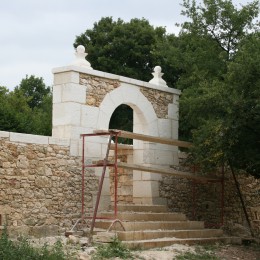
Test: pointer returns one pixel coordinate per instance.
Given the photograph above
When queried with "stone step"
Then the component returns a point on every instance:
(145, 216)
(141, 208)
(150, 225)
(153, 234)
(163, 242)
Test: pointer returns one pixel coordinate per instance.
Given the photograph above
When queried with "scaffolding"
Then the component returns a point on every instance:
(114, 133)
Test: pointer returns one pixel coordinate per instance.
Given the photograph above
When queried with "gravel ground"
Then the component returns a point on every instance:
(224, 252)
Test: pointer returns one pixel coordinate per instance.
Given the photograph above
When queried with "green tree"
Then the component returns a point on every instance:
(34, 89)
(219, 107)
(26, 109)
(204, 57)
(125, 48)
(221, 20)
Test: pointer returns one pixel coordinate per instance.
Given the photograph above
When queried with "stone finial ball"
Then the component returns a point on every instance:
(81, 49)
(158, 69)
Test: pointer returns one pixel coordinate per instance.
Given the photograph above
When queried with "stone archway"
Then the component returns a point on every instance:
(84, 100)
(145, 121)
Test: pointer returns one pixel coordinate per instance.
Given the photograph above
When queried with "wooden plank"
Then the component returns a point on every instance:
(153, 139)
(121, 147)
(164, 171)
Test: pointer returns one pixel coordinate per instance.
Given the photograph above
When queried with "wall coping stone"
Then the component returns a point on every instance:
(115, 77)
(4, 134)
(34, 139)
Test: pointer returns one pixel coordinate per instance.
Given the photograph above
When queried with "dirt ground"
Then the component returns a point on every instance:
(239, 252)
(225, 252)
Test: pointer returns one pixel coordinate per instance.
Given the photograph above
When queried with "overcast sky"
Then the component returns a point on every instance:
(38, 35)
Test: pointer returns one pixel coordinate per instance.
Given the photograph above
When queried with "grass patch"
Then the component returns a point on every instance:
(23, 250)
(199, 254)
(114, 249)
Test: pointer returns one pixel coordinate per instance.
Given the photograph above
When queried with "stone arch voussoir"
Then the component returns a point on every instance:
(130, 95)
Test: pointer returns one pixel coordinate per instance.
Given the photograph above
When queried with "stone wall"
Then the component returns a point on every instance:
(97, 88)
(124, 178)
(40, 185)
(202, 201)
(160, 101)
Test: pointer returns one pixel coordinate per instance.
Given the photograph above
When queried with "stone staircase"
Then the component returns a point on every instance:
(150, 226)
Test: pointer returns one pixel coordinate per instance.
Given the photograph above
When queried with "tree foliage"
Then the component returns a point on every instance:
(219, 111)
(221, 20)
(28, 108)
(129, 49)
(214, 61)
(34, 89)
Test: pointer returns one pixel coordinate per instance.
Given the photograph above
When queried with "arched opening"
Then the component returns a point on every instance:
(122, 119)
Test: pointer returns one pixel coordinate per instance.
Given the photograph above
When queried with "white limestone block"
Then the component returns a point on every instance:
(176, 99)
(175, 132)
(106, 185)
(66, 77)
(97, 73)
(147, 176)
(153, 128)
(4, 134)
(138, 144)
(138, 156)
(137, 175)
(75, 147)
(138, 128)
(105, 202)
(165, 128)
(28, 138)
(72, 92)
(140, 124)
(146, 108)
(98, 171)
(137, 82)
(165, 147)
(130, 93)
(62, 131)
(109, 101)
(107, 107)
(163, 157)
(93, 149)
(59, 141)
(142, 189)
(103, 120)
(173, 111)
(77, 131)
(116, 96)
(89, 116)
(148, 156)
(66, 114)
(145, 189)
(56, 94)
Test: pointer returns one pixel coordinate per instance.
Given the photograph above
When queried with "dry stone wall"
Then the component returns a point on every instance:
(159, 100)
(97, 88)
(124, 179)
(40, 188)
(202, 201)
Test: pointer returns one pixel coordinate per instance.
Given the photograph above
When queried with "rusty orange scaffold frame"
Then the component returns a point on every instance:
(104, 164)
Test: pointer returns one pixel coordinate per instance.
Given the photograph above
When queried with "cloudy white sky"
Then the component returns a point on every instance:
(38, 35)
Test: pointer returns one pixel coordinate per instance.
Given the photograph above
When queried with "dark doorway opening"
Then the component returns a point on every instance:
(122, 119)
